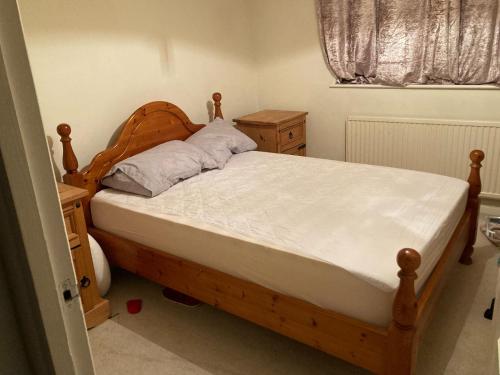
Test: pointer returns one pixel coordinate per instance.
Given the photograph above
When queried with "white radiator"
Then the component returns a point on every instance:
(437, 146)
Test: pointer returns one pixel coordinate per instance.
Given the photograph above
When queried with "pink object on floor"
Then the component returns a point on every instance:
(134, 306)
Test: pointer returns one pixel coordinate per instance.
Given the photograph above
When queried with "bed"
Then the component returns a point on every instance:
(320, 262)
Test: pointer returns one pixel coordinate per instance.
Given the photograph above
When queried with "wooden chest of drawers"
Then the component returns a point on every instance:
(96, 309)
(276, 131)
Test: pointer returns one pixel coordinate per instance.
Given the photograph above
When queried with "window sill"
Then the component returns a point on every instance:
(417, 87)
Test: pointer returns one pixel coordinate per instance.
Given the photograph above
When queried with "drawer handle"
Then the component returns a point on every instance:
(301, 147)
(84, 282)
(78, 204)
(261, 137)
(290, 135)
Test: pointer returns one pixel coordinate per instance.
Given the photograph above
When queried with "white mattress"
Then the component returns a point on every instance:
(320, 230)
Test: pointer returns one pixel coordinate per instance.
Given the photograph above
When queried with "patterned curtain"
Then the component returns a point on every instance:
(401, 42)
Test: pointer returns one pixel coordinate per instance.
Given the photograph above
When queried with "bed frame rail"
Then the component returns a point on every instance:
(388, 350)
(411, 314)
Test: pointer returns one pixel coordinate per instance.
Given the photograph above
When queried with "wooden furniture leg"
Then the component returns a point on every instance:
(95, 308)
(473, 203)
(383, 350)
(402, 340)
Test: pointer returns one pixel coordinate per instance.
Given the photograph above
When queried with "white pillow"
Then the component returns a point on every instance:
(220, 140)
(155, 170)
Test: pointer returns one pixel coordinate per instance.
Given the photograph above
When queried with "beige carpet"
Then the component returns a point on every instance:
(167, 338)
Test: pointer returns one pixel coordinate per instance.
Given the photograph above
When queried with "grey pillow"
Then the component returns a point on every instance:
(121, 181)
(153, 171)
(220, 140)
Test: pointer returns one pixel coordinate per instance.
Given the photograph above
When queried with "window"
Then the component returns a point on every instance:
(401, 42)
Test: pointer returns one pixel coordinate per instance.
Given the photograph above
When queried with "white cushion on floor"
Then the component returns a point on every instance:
(101, 267)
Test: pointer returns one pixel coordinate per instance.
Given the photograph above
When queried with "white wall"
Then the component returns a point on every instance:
(293, 75)
(94, 62)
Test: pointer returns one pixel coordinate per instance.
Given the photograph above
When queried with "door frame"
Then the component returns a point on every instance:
(35, 216)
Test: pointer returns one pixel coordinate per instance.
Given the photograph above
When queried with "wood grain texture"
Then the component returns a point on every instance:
(292, 136)
(217, 97)
(402, 330)
(299, 150)
(68, 193)
(150, 125)
(388, 350)
(96, 309)
(347, 338)
(98, 314)
(276, 131)
(70, 162)
(70, 223)
(266, 137)
(473, 203)
(270, 116)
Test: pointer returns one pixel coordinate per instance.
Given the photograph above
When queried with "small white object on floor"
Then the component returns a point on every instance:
(101, 267)
(491, 229)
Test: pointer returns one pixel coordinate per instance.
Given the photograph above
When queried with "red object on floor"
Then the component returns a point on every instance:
(134, 306)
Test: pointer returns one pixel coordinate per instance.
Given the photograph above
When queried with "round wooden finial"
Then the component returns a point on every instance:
(408, 260)
(70, 162)
(216, 96)
(477, 156)
(64, 130)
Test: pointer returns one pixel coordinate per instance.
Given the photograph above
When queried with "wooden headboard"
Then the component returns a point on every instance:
(150, 125)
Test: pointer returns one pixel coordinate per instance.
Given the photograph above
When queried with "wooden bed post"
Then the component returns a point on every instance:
(402, 331)
(473, 203)
(217, 97)
(70, 162)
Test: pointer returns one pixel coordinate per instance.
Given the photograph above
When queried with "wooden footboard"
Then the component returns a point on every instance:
(388, 350)
(380, 350)
(344, 337)
(411, 314)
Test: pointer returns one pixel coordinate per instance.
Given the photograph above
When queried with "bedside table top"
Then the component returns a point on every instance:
(270, 116)
(68, 193)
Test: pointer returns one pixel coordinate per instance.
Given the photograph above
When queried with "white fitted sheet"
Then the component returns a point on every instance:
(323, 231)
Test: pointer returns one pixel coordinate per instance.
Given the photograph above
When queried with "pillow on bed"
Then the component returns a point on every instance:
(239, 141)
(155, 170)
(220, 140)
(121, 181)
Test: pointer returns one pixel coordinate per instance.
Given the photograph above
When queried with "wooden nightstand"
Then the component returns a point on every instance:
(276, 131)
(96, 309)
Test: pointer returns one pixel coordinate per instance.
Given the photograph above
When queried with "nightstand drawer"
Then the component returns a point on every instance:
(275, 130)
(264, 136)
(292, 135)
(70, 223)
(299, 150)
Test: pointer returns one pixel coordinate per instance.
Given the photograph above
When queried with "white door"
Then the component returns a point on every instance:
(32, 190)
